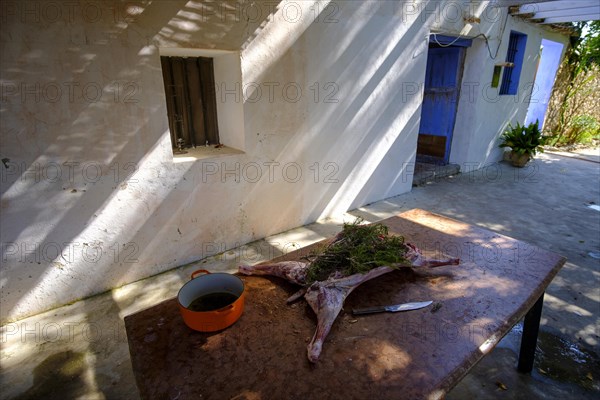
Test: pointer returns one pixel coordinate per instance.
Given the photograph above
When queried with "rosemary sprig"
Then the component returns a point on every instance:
(357, 249)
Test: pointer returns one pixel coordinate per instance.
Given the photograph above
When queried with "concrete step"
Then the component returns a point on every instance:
(430, 172)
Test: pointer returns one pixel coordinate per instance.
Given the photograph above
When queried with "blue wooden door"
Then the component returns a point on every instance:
(438, 113)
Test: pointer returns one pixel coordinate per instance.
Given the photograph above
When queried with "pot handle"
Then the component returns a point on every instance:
(198, 272)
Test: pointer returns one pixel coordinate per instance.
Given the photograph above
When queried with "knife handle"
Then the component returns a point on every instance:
(368, 310)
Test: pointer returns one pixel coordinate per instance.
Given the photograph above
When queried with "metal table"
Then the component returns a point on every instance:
(417, 354)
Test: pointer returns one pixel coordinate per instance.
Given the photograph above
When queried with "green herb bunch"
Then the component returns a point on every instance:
(357, 249)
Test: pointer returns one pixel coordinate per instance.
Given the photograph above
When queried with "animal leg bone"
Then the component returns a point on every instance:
(291, 271)
(327, 298)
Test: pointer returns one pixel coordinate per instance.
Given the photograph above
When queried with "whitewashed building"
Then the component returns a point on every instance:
(320, 106)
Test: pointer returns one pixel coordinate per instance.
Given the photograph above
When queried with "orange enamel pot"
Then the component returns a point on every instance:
(202, 284)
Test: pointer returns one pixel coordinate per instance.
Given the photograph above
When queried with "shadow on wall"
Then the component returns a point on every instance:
(75, 138)
(120, 197)
(368, 135)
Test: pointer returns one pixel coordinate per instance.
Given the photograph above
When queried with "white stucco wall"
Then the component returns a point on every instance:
(326, 113)
(483, 113)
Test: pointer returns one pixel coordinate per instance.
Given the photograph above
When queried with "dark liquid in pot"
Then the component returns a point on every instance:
(212, 301)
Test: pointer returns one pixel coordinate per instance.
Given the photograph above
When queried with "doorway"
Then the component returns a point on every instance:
(544, 81)
(443, 76)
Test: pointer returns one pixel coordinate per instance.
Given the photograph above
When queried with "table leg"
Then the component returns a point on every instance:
(531, 327)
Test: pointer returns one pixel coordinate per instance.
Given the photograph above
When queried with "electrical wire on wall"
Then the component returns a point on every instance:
(487, 44)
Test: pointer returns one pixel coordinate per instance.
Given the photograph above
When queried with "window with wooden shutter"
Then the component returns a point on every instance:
(191, 100)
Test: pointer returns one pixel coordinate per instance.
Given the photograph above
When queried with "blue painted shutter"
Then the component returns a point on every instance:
(515, 55)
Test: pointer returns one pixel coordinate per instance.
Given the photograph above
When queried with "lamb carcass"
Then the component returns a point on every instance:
(326, 297)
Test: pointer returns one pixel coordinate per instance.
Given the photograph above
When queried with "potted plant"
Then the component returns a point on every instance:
(524, 142)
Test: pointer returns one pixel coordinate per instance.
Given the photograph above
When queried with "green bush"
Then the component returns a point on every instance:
(524, 139)
(582, 129)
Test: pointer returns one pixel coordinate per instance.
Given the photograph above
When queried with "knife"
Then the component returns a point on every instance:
(394, 308)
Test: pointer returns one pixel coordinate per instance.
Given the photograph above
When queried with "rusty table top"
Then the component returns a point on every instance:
(416, 354)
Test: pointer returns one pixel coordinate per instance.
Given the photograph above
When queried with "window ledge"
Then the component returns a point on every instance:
(203, 153)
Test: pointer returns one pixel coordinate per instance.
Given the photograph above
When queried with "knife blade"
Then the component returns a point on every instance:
(393, 308)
